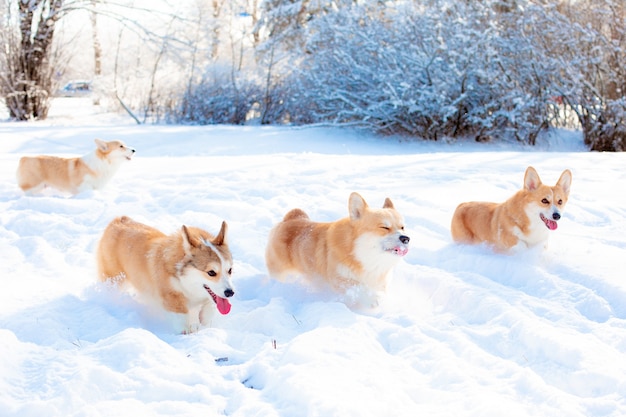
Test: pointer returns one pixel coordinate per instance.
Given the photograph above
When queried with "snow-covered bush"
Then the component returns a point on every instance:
(217, 99)
(426, 73)
(608, 130)
(600, 101)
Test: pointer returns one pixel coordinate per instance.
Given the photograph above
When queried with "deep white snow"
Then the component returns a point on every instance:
(462, 332)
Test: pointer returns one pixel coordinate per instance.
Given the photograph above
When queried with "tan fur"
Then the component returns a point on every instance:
(173, 271)
(518, 222)
(73, 175)
(354, 254)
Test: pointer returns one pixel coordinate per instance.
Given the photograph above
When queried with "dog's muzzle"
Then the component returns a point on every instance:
(402, 248)
(223, 305)
(550, 224)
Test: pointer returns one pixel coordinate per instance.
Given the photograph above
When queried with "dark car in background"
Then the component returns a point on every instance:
(75, 89)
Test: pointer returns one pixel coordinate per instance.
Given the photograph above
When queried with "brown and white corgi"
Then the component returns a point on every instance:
(524, 220)
(73, 175)
(354, 255)
(188, 272)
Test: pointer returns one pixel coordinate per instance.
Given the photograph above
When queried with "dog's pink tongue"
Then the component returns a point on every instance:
(223, 306)
(401, 250)
(550, 224)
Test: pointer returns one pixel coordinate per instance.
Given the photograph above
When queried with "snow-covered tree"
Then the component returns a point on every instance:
(596, 72)
(33, 59)
(27, 58)
(430, 72)
(488, 69)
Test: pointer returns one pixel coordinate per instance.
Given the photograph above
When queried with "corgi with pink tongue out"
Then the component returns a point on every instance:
(187, 272)
(524, 220)
(353, 255)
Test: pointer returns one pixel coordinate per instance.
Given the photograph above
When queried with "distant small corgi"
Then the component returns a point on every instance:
(188, 272)
(523, 221)
(354, 255)
(73, 175)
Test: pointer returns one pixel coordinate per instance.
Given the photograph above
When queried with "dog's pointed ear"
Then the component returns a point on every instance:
(187, 242)
(356, 206)
(220, 239)
(102, 145)
(565, 181)
(531, 179)
(388, 204)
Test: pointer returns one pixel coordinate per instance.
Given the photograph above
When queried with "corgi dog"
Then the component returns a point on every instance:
(188, 272)
(73, 175)
(353, 255)
(523, 221)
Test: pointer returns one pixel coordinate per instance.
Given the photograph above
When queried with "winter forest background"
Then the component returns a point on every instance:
(488, 70)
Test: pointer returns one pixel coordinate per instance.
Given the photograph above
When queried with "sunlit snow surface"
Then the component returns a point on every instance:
(463, 331)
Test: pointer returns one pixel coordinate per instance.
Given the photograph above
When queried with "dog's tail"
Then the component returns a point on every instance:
(295, 214)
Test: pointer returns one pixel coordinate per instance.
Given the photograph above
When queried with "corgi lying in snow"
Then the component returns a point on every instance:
(523, 221)
(188, 272)
(73, 175)
(354, 255)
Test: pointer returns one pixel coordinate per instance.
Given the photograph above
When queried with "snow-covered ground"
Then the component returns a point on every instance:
(462, 332)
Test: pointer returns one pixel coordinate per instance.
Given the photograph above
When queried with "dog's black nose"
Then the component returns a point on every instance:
(229, 293)
(556, 216)
(404, 239)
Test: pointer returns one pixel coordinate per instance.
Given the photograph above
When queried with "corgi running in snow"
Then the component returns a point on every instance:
(522, 221)
(188, 272)
(73, 175)
(354, 255)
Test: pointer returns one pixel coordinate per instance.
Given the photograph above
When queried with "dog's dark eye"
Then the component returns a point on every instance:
(560, 202)
(212, 273)
(545, 201)
(230, 271)
(122, 146)
(385, 227)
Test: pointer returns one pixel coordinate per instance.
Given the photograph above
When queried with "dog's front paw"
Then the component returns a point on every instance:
(363, 298)
(192, 324)
(190, 329)
(375, 299)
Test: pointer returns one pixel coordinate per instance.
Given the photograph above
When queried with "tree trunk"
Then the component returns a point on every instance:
(215, 42)
(29, 83)
(97, 56)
